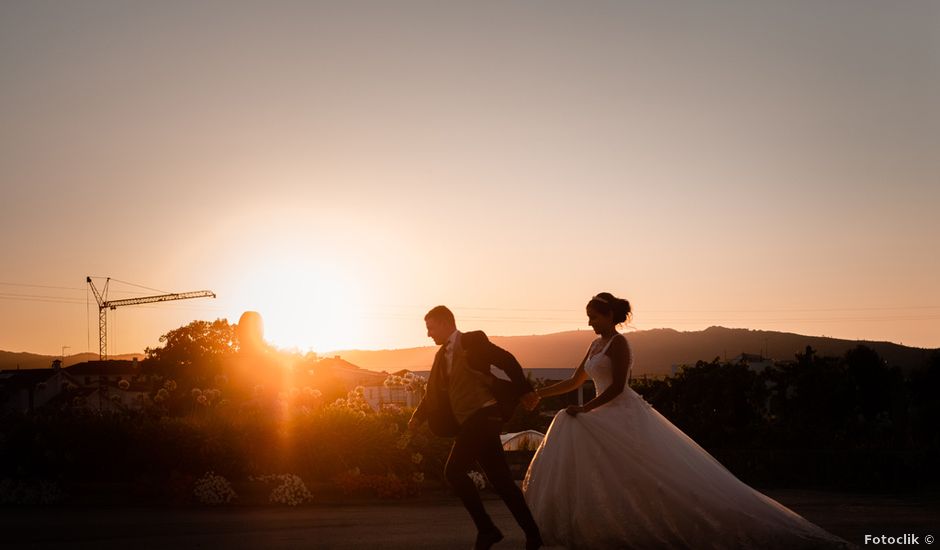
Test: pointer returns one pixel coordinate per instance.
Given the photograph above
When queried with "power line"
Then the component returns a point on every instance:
(74, 288)
(139, 286)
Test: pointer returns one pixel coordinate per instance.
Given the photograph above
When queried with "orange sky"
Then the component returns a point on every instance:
(341, 169)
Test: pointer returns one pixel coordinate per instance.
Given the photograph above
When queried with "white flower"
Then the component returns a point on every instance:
(417, 477)
(417, 458)
(290, 490)
(478, 479)
(213, 489)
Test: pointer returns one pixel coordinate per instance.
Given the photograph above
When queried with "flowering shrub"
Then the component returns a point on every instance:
(478, 479)
(355, 402)
(410, 381)
(29, 492)
(317, 446)
(213, 489)
(290, 490)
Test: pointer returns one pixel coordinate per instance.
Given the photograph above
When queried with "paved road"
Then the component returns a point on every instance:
(431, 522)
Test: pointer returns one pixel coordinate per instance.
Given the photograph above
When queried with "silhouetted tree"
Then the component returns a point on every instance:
(194, 351)
(925, 404)
(881, 416)
(716, 404)
(812, 402)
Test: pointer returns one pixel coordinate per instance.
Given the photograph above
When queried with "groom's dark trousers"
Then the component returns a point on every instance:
(467, 402)
(478, 442)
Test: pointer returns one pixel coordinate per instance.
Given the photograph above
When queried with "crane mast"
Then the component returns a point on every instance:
(104, 305)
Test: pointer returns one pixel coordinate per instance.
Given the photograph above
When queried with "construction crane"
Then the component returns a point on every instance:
(104, 305)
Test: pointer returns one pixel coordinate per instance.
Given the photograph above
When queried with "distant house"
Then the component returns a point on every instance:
(24, 391)
(346, 373)
(103, 372)
(107, 398)
(98, 385)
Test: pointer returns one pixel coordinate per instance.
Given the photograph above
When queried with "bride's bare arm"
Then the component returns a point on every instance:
(565, 386)
(619, 353)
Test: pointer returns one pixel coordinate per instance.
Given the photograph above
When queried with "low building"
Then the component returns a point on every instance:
(99, 385)
(24, 391)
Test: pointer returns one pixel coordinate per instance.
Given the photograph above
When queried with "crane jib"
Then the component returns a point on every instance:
(104, 305)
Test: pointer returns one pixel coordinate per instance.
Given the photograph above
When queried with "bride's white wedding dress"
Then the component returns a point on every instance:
(622, 476)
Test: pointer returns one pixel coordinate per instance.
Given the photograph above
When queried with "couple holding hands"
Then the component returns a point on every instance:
(612, 473)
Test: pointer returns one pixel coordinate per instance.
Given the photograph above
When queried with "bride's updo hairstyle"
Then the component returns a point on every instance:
(605, 303)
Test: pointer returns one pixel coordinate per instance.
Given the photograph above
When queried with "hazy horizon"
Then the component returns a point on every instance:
(342, 168)
(430, 344)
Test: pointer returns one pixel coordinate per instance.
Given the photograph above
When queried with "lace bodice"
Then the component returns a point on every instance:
(599, 368)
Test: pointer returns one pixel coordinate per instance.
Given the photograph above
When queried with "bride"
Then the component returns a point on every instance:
(614, 473)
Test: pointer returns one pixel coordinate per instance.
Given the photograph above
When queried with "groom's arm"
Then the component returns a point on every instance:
(501, 359)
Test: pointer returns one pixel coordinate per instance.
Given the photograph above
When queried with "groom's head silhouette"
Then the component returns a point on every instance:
(441, 324)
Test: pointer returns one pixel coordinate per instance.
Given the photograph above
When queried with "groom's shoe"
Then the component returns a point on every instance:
(533, 543)
(486, 539)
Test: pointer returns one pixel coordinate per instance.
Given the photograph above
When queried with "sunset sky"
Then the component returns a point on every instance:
(341, 167)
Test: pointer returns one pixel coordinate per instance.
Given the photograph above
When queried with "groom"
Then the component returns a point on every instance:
(465, 400)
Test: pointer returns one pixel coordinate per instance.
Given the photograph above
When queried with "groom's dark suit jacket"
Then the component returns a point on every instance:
(475, 353)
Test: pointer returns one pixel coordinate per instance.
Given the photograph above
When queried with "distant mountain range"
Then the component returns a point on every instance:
(655, 351)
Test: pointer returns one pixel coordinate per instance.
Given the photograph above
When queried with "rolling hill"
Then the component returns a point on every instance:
(655, 351)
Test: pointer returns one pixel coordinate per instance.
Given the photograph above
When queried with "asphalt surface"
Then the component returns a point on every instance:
(430, 522)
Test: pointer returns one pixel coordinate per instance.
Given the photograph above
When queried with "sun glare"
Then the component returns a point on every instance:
(306, 305)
